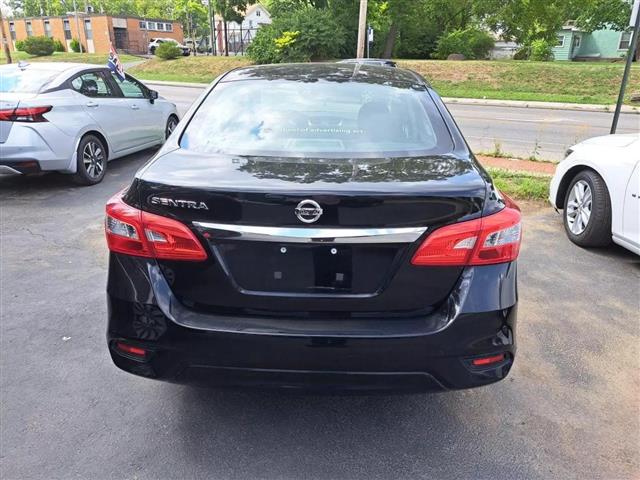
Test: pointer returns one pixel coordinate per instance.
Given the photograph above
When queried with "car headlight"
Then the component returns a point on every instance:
(568, 152)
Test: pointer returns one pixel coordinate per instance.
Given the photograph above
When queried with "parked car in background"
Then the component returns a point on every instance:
(335, 233)
(382, 62)
(597, 187)
(153, 44)
(74, 118)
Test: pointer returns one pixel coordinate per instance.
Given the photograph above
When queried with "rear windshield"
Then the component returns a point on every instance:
(321, 118)
(13, 79)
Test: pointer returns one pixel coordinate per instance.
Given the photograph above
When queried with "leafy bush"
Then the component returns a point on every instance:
(75, 45)
(470, 42)
(20, 45)
(541, 50)
(523, 53)
(168, 51)
(299, 36)
(39, 46)
(58, 46)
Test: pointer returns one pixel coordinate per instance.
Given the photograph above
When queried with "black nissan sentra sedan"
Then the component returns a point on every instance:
(316, 226)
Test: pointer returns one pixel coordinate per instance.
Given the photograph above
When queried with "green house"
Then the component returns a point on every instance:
(574, 44)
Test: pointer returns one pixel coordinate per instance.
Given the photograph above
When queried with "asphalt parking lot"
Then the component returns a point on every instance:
(569, 408)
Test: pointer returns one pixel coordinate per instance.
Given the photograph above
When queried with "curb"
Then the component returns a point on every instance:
(468, 101)
(164, 83)
(584, 107)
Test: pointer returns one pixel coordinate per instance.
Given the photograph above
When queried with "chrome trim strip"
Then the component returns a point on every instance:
(6, 170)
(314, 235)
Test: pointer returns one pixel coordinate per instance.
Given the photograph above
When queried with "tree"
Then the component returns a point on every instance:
(527, 20)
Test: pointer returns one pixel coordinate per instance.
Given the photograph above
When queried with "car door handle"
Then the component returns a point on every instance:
(135, 107)
(92, 104)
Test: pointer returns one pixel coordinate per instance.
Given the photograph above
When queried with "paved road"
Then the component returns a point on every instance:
(569, 409)
(522, 132)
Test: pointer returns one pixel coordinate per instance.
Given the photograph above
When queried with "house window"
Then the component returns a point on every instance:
(67, 29)
(168, 27)
(151, 25)
(258, 13)
(625, 41)
(29, 29)
(560, 43)
(577, 41)
(160, 26)
(47, 28)
(143, 25)
(12, 30)
(88, 30)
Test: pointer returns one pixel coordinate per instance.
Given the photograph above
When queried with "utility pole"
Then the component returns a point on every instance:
(633, 44)
(212, 28)
(362, 29)
(75, 9)
(3, 38)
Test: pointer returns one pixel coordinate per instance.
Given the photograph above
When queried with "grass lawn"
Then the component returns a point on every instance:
(97, 58)
(199, 69)
(521, 185)
(571, 82)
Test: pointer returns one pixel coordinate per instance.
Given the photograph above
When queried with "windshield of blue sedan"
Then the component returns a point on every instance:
(322, 118)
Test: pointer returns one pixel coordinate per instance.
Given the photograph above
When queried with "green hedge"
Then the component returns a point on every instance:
(168, 51)
(39, 46)
(306, 34)
(473, 43)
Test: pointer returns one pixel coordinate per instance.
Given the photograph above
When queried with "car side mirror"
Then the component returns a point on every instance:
(153, 96)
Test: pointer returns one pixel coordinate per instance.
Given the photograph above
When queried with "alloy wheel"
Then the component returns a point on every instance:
(171, 126)
(93, 159)
(579, 207)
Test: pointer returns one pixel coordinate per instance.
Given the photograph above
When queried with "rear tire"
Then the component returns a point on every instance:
(91, 161)
(587, 210)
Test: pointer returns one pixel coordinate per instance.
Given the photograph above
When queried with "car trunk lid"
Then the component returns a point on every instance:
(255, 213)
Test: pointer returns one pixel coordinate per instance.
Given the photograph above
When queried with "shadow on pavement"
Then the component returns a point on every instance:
(118, 170)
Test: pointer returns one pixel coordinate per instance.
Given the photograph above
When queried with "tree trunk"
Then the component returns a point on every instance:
(390, 41)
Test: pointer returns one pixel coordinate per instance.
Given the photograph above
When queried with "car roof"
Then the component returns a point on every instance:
(62, 70)
(334, 72)
(61, 67)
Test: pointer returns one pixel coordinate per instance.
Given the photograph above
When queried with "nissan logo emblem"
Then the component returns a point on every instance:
(308, 211)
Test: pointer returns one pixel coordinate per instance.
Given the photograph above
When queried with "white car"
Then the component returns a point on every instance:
(155, 42)
(598, 188)
(73, 118)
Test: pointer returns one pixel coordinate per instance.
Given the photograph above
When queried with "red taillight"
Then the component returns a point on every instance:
(131, 350)
(480, 362)
(25, 114)
(484, 241)
(134, 232)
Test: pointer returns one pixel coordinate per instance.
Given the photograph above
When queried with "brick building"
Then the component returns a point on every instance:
(128, 34)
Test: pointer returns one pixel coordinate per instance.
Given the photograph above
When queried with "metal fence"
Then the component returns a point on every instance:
(233, 42)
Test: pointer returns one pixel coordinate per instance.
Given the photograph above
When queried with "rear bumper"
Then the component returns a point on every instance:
(19, 167)
(430, 353)
(35, 148)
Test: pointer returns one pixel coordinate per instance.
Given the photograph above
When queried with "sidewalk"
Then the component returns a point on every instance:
(513, 164)
(468, 101)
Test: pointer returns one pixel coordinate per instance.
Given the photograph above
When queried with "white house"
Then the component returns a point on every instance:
(240, 35)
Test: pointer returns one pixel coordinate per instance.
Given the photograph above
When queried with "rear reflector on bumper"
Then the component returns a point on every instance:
(481, 362)
(484, 241)
(135, 232)
(131, 350)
